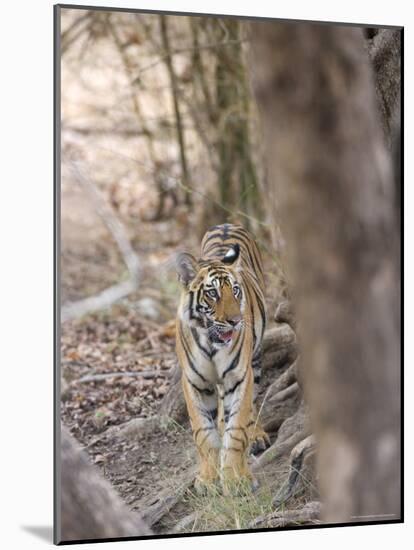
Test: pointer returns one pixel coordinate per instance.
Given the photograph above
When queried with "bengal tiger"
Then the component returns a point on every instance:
(219, 329)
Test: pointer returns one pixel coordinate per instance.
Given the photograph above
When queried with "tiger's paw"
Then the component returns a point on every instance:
(242, 486)
(238, 482)
(205, 487)
(260, 443)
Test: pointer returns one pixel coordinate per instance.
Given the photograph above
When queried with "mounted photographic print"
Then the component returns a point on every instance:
(228, 284)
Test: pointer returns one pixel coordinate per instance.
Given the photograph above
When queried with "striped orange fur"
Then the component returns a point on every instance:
(220, 324)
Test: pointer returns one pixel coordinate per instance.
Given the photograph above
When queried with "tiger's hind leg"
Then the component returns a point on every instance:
(259, 440)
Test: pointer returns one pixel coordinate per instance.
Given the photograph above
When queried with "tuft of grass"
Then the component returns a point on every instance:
(169, 424)
(216, 511)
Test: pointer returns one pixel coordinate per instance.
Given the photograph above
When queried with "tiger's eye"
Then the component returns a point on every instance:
(212, 293)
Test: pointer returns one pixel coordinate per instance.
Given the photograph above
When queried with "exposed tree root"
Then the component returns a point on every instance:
(153, 509)
(302, 472)
(185, 522)
(293, 430)
(284, 314)
(310, 513)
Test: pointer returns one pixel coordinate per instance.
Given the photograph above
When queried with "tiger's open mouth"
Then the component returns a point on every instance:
(222, 337)
(225, 336)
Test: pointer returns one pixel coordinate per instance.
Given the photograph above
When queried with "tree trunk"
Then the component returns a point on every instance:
(237, 177)
(385, 53)
(90, 508)
(332, 187)
(178, 119)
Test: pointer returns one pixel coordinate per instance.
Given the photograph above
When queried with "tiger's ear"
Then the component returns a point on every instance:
(186, 266)
(232, 255)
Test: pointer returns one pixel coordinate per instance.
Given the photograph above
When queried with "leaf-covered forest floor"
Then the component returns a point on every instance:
(116, 368)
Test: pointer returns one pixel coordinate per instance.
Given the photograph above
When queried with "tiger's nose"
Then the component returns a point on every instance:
(234, 320)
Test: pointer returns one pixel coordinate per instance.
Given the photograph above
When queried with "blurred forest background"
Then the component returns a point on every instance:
(160, 139)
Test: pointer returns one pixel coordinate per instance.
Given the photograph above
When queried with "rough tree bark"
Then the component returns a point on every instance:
(384, 50)
(331, 184)
(90, 508)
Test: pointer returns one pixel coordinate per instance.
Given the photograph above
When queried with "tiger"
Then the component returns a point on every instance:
(220, 324)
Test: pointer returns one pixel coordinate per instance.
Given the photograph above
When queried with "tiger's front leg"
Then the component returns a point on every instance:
(238, 402)
(202, 409)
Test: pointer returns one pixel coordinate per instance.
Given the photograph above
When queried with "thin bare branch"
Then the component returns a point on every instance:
(74, 310)
(165, 56)
(114, 293)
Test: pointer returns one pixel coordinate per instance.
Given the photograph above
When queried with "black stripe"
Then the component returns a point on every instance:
(240, 229)
(204, 440)
(191, 305)
(210, 415)
(231, 390)
(228, 415)
(209, 251)
(210, 237)
(196, 337)
(242, 441)
(250, 245)
(260, 305)
(220, 251)
(246, 248)
(197, 301)
(258, 259)
(193, 368)
(190, 360)
(187, 350)
(252, 314)
(234, 449)
(237, 439)
(206, 391)
(240, 334)
(231, 415)
(233, 364)
(206, 429)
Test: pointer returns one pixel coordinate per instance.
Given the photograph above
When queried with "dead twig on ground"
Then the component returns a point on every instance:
(147, 374)
(308, 514)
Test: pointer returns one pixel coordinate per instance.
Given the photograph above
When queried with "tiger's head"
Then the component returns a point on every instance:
(213, 294)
